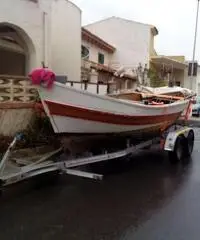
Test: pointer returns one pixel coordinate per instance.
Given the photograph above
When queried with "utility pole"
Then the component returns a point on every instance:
(195, 39)
(195, 35)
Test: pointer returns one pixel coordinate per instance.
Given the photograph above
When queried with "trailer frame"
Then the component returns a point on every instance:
(11, 173)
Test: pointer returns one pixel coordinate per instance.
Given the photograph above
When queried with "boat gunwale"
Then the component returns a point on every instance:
(120, 101)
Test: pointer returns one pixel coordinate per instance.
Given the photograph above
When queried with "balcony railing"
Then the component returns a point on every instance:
(19, 89)
(96, 88)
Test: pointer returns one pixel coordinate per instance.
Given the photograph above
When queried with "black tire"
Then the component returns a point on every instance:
(179, 151)
(190, 143)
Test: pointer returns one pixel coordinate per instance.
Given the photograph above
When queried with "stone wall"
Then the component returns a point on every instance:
(17, 98)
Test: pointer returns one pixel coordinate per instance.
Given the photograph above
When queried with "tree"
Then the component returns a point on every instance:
(155, 80)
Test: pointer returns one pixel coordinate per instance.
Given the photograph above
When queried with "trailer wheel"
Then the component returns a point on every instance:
(179, 151)
(190, 143)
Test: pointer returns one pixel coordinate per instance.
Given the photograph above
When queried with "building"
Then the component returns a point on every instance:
(36, 32)
(96, 49)
(134, 41)
(97, 56)
(134, 44)
(48, 32)
(171, 69)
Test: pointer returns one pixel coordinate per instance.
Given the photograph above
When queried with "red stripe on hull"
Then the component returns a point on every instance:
(104, 117)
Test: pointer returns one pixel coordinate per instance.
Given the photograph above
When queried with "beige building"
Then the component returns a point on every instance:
(170, 69)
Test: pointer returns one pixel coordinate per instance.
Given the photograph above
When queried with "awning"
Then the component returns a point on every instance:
(160, 60)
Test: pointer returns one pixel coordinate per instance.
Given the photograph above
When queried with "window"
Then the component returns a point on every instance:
(129, 84)
(101, 58)
(85, 52)
(178, 84)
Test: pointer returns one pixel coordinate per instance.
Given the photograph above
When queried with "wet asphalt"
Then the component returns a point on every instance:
(145, 198)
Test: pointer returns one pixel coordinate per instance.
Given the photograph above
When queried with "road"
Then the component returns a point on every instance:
(193, 122)
(145, 199)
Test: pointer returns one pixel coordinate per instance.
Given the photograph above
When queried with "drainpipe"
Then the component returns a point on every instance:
(44, 39)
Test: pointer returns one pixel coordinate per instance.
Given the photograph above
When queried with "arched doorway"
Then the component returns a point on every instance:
(17, 52)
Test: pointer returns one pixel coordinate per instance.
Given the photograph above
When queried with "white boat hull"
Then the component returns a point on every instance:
(85, 126)
(74, 111)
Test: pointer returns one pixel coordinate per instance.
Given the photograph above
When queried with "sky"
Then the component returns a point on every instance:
(174, 19)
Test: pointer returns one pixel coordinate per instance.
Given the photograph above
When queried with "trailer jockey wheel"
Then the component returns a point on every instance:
(179, 150)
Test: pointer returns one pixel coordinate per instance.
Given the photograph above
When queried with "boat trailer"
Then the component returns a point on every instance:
(178, 141)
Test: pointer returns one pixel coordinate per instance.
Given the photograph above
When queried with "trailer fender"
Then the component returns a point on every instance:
(172, 137)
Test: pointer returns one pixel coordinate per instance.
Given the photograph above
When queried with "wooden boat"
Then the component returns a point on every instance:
(80, 112)
(170, 91)
(167, 91)
(74, 111)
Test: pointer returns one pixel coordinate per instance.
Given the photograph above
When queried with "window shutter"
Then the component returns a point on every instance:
(190, 69)
(195, 69)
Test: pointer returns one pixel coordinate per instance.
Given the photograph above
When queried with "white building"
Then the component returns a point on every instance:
(96, 49)
(134, 41)
(36, 31)
(134, 45)
(97, 57)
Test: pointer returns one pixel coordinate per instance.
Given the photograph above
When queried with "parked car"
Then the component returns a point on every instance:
(196, 107)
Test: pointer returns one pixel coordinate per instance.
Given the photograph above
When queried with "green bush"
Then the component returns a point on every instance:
(155, 80)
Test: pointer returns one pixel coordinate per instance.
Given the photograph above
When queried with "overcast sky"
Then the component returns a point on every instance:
(174, 19)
